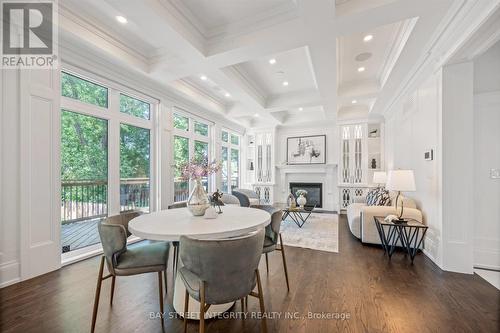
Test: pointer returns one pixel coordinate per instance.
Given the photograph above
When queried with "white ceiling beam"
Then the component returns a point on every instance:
(318, 23)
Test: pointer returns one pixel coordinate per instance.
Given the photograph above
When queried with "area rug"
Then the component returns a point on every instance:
(320, 232)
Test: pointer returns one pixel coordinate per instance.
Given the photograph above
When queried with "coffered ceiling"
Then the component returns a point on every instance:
(264, 62)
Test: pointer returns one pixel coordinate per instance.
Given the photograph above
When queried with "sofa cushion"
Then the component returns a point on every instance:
(378, 197)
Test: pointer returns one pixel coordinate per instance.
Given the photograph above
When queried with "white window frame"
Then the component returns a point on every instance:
(114, 118)
(192, 137)
(230, 146)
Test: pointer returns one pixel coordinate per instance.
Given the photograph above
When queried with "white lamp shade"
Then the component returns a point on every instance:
(401, 180)
(379, 177)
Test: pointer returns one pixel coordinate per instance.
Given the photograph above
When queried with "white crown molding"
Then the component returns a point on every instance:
(199, 91)
(458, 16)
(66, 16)
(402, 35)
(237, 72)
(247, 25)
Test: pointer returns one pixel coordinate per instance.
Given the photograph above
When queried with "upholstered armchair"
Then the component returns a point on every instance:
(272, 237)
(247, 197)
(221, 271)
(123, 261)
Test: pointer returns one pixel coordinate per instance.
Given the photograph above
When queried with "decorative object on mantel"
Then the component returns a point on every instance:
(374, 163)
(301, 198)
(196, 169)
(216, 201)
(401, 181)
(306, 149)
(373, 133)
(290, 200)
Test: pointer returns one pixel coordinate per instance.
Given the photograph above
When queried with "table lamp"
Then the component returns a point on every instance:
(400, 181)
(379, 178)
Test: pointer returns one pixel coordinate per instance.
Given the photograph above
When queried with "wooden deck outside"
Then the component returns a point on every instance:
(79, 234)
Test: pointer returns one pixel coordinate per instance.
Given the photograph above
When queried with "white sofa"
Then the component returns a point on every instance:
(361, 222)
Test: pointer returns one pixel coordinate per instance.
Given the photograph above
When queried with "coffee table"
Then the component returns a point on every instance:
(410, 234)
(298, 215)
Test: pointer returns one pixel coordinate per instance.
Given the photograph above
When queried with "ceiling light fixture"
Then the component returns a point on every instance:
(285, 83)
(272, 61)
(368, 38)
(354, 101)
(301, 108)
(203, 78)
(227, 94)
(121, 19)
(256, 115)
(361, 69)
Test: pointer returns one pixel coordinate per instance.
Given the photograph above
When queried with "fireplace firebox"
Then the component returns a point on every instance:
(314, 193)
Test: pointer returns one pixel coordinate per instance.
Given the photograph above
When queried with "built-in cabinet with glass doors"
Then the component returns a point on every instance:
(361, 154)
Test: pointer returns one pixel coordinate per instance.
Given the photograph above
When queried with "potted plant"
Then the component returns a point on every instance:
(301, 198)
(195, 170)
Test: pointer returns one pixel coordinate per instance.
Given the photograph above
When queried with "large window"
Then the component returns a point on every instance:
(134, 168)
(230, 157)
(95, 184)
(191, 140)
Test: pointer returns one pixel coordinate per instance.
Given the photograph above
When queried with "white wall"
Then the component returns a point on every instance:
(487, 157)
(412, 129)
(328, 178)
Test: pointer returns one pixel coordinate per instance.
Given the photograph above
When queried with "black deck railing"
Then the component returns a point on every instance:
(88, 199)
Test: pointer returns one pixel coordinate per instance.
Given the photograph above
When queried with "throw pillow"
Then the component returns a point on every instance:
(378, 197)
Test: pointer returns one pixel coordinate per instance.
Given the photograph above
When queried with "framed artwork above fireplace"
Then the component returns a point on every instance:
(306, 150)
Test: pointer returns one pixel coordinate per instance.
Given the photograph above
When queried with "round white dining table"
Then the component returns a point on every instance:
(171, 224)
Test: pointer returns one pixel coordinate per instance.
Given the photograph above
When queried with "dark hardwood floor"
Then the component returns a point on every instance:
(359, 282)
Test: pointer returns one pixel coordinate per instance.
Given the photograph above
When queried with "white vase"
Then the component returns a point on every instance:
(301, 201)
(198, 199)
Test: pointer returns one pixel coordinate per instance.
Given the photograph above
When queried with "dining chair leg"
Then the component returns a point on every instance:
(243, 304)
(97, 294)
(161, 296)
(267, 264)
(202, 307)
(261, 302)
(165, 279)
(284, 263)
(113, 280)
(186, 308)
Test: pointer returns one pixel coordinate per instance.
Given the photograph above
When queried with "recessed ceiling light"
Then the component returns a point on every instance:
(285, 83)
(203, 78)
(272, 61)
(121, 19)
(361, 69)
(227, 94)
(301, 108)
(368, 38)
(256, 115)
(354, 101)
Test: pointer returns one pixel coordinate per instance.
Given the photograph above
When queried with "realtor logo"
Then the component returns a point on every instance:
(28, 34)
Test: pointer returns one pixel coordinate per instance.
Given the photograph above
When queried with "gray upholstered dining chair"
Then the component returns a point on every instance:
(221, 271)
(123, 261)
(247, 197)
(229, 199)
(272, 236)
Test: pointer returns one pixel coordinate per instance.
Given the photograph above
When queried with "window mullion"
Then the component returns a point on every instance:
(114, 155)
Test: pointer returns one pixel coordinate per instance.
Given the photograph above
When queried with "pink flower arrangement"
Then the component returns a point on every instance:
(197, 169)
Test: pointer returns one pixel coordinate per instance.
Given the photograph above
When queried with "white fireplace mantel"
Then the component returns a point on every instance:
(326, 170)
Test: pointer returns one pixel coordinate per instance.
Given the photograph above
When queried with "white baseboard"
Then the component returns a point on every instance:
(9, 273)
